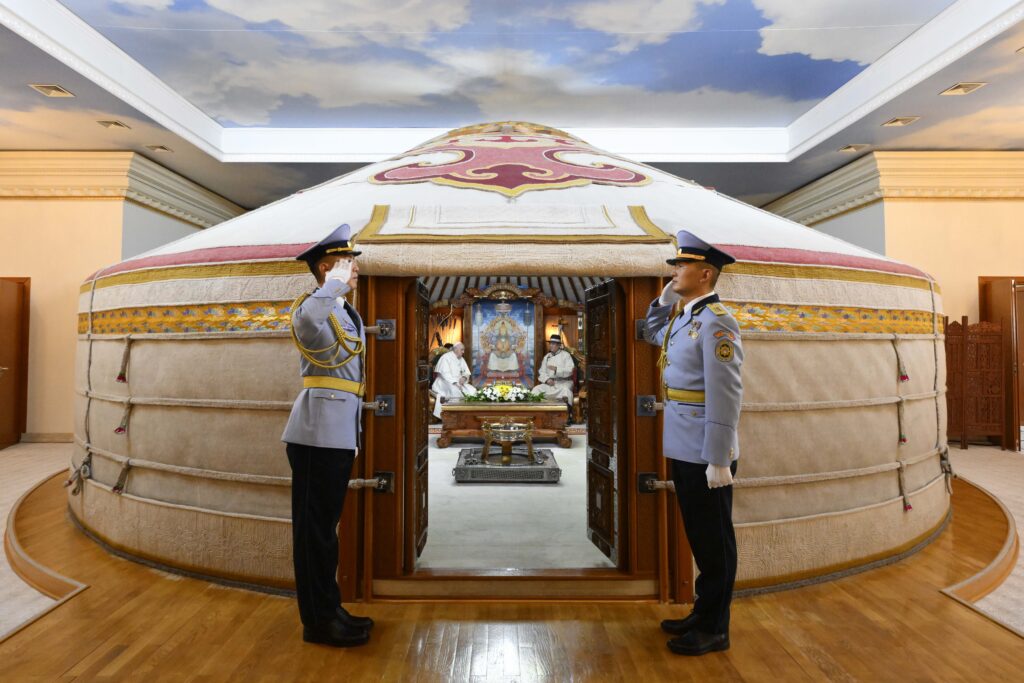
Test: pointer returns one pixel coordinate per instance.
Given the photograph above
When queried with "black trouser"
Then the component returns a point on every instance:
(707, 518)
(319, 483)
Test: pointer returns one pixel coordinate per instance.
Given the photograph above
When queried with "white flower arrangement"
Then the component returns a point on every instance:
(505, 393)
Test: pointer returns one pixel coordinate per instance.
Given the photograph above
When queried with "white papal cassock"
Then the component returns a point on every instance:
(450, 369)
(557, 366)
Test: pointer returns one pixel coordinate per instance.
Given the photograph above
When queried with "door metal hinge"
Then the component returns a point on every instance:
(384, 329)
(640, 329)
(382, 482)
(648, 482)
(647, 405)
(382, 405)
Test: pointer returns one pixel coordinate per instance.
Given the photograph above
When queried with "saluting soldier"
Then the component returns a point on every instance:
(322, 436)
(700, 360)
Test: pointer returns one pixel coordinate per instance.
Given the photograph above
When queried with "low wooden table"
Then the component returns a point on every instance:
(462, 418)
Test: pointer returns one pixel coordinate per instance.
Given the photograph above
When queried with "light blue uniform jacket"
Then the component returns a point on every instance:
(328, 418)
(704, 353)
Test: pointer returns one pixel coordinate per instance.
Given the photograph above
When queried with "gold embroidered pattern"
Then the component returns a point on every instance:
(248, 317)
(840, 319)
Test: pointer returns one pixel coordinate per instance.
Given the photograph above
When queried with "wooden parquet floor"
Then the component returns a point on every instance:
(888, 624)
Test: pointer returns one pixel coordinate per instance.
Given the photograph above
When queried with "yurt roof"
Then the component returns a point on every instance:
(514, 199)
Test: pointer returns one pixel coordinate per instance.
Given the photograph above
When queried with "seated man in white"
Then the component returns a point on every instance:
(452, 377)
(555, 372)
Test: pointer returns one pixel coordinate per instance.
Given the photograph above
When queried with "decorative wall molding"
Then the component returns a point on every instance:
(905, 175)
(111, 175)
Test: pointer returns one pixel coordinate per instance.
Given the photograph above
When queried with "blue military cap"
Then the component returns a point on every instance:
(689, 247)
(338, 242)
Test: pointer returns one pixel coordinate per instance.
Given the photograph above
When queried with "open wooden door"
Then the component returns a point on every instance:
(416, 425)
(604, 422)
(13, 359)
(1000, 302)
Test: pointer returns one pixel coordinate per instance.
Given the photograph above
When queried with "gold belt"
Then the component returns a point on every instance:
(321, 382)
(684, 395)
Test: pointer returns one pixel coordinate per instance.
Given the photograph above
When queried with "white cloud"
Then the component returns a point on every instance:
(152, 4)
(636, 23)
(990, 128)
(340, 22)
(861, 31)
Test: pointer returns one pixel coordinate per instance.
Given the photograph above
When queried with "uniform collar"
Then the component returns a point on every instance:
(699, 304)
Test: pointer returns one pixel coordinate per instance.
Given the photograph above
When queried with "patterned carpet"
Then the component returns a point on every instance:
(23, 466)
(1002, 474)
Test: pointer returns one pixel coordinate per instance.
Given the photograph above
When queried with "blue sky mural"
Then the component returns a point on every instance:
(444, 63)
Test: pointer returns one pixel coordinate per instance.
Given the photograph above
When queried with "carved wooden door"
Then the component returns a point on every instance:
(604, 428)
(417, 421)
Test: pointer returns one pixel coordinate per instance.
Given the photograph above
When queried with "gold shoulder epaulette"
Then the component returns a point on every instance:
(718, 309)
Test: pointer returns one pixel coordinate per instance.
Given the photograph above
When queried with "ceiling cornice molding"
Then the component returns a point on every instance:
(952, 34)
(960, 28)
(111, 175)
(905, 175)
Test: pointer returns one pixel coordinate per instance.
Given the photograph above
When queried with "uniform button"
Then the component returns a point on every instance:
(693, 413)
(332, 395)
(668, 362)
(672, 343)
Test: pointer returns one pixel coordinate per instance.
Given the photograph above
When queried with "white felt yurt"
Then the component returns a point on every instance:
(186, 370)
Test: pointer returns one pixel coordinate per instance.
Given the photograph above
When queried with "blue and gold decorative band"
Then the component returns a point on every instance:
(275, 316)
(268, 316)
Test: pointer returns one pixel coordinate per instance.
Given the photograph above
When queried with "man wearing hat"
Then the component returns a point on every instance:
(555, 374)
(700, 361)
(322, 436)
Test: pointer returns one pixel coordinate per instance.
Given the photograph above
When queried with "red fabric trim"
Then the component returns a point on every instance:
(806, 257)
(210, 255)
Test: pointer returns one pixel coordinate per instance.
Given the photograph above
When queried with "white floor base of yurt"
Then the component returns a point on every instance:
(509, 526)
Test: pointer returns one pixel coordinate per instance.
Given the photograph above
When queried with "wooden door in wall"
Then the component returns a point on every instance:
(417, 419)
(1001, 302)
(13, 359)
(604, 429)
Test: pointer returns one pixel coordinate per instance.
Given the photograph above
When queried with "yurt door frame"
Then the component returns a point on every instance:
(392, 527)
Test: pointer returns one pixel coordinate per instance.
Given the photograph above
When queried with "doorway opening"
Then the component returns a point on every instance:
(505, 324)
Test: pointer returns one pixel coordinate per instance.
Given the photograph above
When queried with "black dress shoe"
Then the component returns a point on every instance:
(695, 642)
(365, 623)
(336, 634)
(678, 627)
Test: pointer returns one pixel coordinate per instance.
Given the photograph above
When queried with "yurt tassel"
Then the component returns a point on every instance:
(123, 478)
(80, 473)
(122, 428)
(901, 368)
(947, 468)
(901, 419)
(122, 376)
(907, 507)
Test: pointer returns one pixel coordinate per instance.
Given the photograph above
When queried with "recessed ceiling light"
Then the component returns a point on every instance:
(901, 121)
(159, 148)
(853, 148)
(51, 90)
(962, 88)
(114, 124)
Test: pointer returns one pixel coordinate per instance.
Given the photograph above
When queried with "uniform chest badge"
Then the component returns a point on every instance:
(694, 329)
(724, 351)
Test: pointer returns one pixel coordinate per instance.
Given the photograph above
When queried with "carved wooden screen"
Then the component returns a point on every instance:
(417, 444)
(977, 377)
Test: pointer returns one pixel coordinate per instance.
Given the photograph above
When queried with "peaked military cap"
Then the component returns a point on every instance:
(689, 247)
(338, 242)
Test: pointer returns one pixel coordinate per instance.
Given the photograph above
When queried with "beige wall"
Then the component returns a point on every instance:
(956, 241)
(57, 242)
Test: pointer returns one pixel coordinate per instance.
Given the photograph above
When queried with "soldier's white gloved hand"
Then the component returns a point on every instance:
(718, 476)
(342, 270)
(668, 297)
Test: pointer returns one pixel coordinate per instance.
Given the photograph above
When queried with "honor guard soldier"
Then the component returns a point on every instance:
(322, 436)
(700, 362)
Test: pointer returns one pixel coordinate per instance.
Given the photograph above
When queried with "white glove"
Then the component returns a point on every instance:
(342, 270)
(718, 475)
(668, 297)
